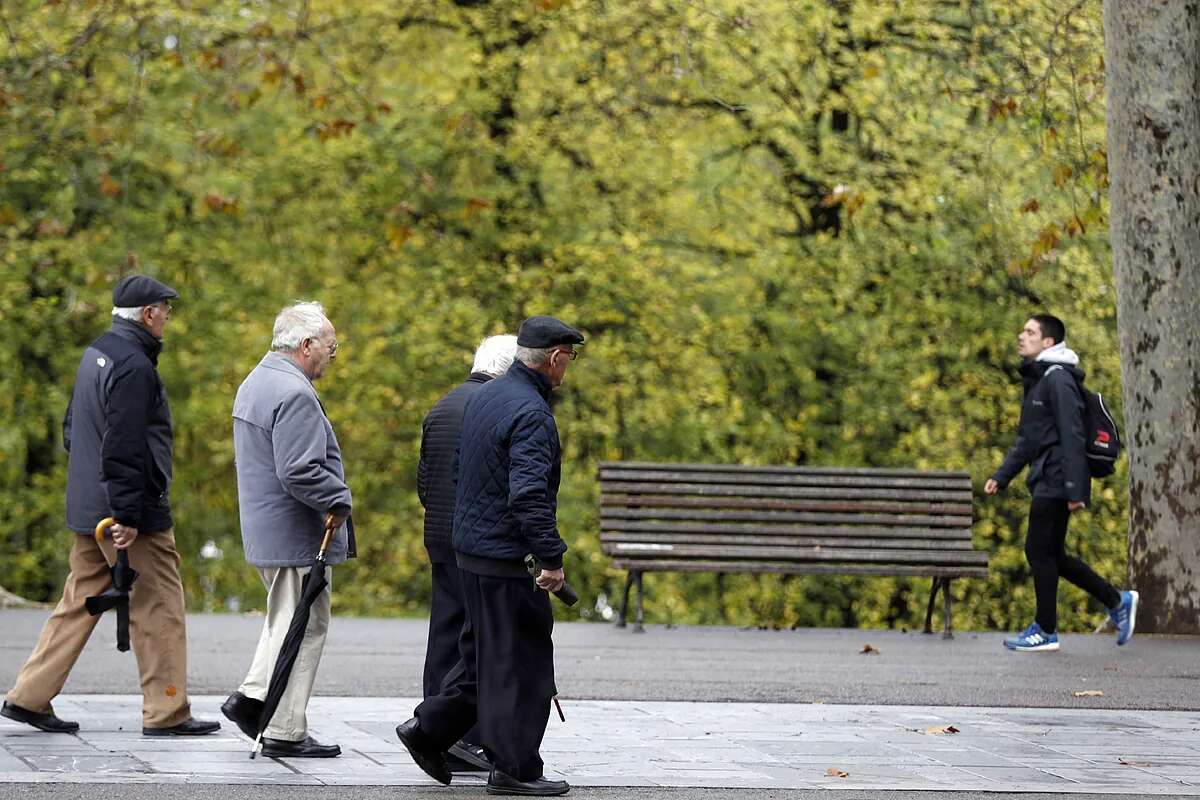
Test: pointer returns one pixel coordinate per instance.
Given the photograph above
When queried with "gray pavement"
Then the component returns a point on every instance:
(673, 713)
(383, 657)
(650, 744)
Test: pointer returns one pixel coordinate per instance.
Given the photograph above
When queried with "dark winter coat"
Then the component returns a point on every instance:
(1050, 435)
(436, 478)
(508, 472)
(118, 434)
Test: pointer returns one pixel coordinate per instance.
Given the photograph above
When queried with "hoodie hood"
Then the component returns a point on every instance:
(1059, 354)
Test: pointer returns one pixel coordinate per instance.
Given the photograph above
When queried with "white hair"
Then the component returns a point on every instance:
(299, 321)
(533, 356)
(131, 313)
(495, 354)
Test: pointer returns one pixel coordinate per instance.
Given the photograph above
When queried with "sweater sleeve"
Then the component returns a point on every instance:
(532, 452)
(1019, 455)
(300, 449)
(123, 450)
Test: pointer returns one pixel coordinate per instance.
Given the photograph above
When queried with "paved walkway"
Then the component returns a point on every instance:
(657, 744)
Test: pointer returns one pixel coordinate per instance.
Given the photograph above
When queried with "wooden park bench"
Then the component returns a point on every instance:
(791, 520)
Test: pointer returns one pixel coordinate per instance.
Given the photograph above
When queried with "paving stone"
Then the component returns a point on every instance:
(610, 743)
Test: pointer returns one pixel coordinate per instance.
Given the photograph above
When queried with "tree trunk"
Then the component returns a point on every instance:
(1152, 51)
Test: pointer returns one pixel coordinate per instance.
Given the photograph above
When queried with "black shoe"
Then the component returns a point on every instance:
(43, 722)
(307, 747)
(423, 751)
(462, 756)
(244, 712)
(189, 727)
(500, 783)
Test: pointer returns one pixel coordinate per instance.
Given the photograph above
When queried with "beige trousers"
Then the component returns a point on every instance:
(157, 628)
(290, 722)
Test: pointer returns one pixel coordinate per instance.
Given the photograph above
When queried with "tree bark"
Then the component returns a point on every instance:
(1152, 52)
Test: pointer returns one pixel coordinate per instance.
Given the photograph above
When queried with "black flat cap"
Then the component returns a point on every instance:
(541, 332)
(134, 291)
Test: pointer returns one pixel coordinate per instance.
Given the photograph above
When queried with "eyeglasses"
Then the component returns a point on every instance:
(331, 346)
(572, 353)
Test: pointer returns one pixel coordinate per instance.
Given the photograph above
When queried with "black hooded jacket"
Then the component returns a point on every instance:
(118, 434)
(1050, 436)
(436, 478)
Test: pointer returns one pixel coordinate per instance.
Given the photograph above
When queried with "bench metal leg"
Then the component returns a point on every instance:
(937, 582)
(625, 600)
(946, 633)
(637, 622)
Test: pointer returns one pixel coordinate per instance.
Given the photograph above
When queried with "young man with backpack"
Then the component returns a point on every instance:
(1064, 444)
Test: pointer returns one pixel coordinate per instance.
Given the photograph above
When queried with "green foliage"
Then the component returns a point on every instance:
(805, 233)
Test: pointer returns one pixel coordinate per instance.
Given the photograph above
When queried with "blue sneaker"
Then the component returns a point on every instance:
(1124, 616)
(1033, 640)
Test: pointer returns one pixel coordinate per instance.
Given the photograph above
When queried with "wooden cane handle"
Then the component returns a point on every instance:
(103, 527)
(328, 538)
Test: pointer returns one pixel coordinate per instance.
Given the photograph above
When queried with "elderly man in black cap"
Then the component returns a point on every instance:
(118, 436)
(506, 504)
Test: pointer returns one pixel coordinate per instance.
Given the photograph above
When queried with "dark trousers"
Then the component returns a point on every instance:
(1045, 549)
(447, 616)
(504, 682)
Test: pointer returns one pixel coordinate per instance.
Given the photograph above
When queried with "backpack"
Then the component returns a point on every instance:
(1102, 441)
(1100, 430)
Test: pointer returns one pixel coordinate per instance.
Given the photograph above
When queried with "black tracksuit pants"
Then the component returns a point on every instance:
(447, 616)
(1045, 549)
(504, 682)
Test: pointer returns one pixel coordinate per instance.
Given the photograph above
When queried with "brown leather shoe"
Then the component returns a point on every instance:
(50, 723)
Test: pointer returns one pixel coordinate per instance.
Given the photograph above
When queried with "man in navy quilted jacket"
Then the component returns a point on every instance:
(506, 503)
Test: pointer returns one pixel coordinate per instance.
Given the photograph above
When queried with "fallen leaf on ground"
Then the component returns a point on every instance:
(837, 773)
(942, 729)
(1090, 693)
(1134, 763)
(868, 649)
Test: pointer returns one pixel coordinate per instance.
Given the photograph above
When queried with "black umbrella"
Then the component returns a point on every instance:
(117, 595)
(314, 584)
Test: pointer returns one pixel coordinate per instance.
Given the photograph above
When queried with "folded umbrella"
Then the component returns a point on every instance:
(314, 583)
(117, 595)
(566, 592)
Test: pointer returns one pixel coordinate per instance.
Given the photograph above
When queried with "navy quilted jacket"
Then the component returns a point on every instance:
(508, 472)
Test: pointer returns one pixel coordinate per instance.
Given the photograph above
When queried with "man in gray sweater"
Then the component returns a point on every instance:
(291, 487)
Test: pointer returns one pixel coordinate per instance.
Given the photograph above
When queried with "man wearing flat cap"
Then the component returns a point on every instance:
(118, 436)
(506, 502)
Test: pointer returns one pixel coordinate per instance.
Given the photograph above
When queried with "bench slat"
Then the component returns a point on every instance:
(708, 515)
(673, 537)
(884, 506)
(954, 483)
(818, 492)
(801, 512)
(799, 554)
(713, 565)
(617, 525)
(779, 470)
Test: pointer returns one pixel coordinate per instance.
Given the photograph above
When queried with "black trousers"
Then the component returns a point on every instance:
(504, 682)
(1045, 549)
(447, 616)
